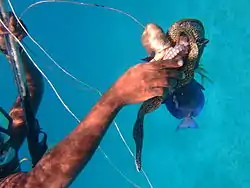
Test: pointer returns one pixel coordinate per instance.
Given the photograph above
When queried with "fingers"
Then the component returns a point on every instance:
(13, 21)
(16, 28)
(168, 74)
(166, 64)
(163, 83)
(164, 74)
(11, 25)
(158, 88)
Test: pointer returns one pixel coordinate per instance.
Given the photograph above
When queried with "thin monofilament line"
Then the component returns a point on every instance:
(73, 77)
(85, 4)
(63, 103)
(115, 167)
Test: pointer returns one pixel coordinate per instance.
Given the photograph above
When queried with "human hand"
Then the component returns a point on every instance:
(147, 80)
(14, 27)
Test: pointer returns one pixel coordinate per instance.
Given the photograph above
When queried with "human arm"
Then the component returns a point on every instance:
(60, 166)
(35, 85)
(36, 88)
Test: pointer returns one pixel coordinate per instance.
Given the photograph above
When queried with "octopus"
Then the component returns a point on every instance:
(185, 39)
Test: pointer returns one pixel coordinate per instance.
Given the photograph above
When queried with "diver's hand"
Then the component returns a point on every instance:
(147, 80)
(14, 27)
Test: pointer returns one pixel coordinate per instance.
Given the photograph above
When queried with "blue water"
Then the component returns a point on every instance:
(97, 46)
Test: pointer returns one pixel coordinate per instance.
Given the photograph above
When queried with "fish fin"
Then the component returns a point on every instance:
(138, 138)
(187, 122)
(203, 81)
(203, 42)
(203, 76)
(201, 69)
(201, 65)
(206, 77)
(147, 59)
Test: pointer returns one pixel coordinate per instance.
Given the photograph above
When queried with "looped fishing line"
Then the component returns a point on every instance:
(84, 4)
(61, 100)
(78, 80)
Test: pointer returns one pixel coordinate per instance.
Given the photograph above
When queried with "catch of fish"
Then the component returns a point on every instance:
(184, 40)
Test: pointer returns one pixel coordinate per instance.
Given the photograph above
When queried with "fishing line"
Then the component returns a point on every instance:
(78, 80)
(63, 103)
(69, 74)
(84, 4)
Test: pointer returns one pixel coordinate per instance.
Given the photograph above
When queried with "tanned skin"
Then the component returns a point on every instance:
(35, 86)
(36, 89)
(139, 83)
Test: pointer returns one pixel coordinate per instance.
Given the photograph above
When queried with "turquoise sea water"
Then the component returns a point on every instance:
(98, 45)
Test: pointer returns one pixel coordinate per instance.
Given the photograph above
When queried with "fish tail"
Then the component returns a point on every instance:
(138, 138)
(187, 122)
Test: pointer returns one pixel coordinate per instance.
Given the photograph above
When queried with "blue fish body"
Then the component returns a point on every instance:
(186, 103)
